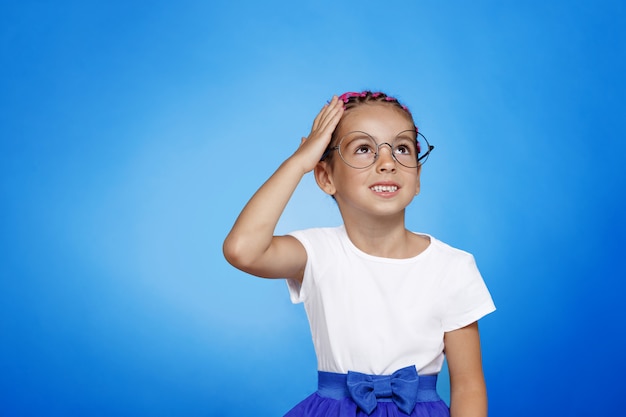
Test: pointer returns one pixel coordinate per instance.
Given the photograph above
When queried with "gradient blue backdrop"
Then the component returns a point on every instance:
(133, 132)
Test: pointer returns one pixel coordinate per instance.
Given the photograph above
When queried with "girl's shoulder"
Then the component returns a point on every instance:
(321, 232)
(320, 236)
(442, 249)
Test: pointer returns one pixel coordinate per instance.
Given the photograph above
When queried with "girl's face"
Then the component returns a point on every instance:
(386, 187)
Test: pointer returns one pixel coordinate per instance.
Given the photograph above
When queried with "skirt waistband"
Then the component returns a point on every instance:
(334, 385)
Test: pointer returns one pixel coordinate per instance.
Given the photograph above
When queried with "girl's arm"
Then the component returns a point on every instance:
(251, 245)
(468, 394)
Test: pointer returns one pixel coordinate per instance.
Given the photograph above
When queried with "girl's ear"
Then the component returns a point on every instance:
(324, 177)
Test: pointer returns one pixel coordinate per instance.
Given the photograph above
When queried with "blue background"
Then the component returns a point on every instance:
(132, 133)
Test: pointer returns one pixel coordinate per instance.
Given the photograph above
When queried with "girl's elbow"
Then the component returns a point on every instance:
(238, 254)
(232, 252)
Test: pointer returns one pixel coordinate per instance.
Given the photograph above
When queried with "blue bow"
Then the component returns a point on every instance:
(401, 387)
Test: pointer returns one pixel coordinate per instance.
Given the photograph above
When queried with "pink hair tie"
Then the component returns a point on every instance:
(346, 96)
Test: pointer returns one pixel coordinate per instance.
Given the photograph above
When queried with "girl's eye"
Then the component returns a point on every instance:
(362, 149)
(404, 149)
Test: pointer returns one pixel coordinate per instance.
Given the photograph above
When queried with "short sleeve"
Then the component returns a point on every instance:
(298, 291)
(295, 291)
(467, 298)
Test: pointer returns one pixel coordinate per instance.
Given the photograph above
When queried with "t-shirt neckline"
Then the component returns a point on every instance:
(365, 255)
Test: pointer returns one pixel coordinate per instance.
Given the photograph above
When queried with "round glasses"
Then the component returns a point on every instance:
(360, 150)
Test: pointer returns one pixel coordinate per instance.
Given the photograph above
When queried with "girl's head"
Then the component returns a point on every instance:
(373, 155)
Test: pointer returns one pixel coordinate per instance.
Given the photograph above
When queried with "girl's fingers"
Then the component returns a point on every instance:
(325, 123)
(321, 116)
(312, 147)
(330, 112)
(332, 118)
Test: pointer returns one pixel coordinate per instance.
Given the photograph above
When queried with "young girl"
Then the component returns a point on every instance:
(383, 303)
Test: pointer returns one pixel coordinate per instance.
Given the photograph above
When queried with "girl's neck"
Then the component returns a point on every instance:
(387, 239)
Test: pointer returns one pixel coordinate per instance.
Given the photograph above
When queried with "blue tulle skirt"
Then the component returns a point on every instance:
(333, 399)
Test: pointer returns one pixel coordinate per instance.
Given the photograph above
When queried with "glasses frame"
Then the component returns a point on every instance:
(420, 161)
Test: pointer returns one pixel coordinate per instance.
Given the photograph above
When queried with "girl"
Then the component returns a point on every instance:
(383, 303)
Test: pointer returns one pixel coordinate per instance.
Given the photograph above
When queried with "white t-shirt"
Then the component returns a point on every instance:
(376, 315)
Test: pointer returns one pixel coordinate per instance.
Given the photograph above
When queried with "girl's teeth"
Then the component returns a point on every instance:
(384, 188)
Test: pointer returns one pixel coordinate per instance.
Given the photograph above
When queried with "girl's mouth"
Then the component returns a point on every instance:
(384, 188)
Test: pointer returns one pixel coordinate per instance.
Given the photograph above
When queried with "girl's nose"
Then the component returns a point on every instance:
(385, 160)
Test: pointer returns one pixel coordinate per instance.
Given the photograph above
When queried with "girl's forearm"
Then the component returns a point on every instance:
(469, 403)
(253, 231)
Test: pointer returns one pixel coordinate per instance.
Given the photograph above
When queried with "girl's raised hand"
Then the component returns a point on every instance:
(313, 147)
